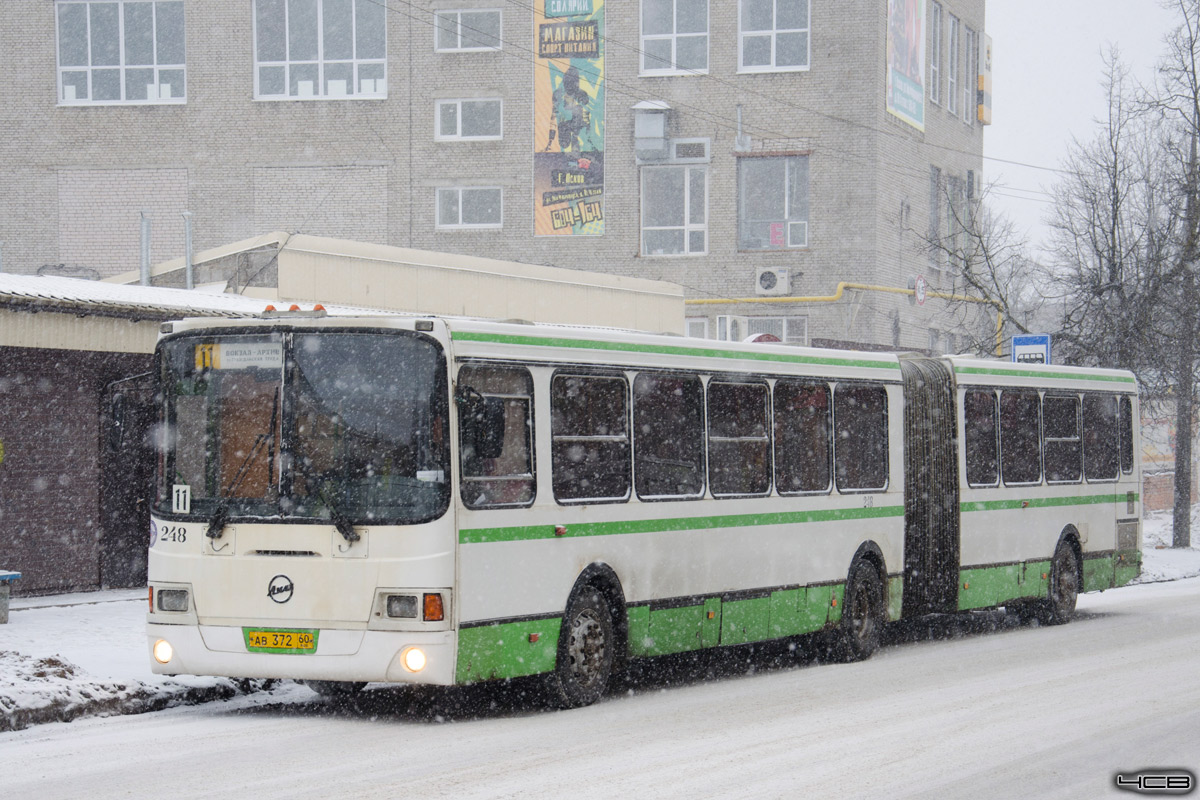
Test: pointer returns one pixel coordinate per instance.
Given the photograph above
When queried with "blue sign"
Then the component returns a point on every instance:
(1033, 348)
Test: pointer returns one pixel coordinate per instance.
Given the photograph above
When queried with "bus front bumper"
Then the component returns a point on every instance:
(340, 655)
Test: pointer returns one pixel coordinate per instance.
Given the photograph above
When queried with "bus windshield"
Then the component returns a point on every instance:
(308, 425)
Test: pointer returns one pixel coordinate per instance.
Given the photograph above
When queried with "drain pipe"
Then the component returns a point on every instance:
(145, 248)
(187, 250)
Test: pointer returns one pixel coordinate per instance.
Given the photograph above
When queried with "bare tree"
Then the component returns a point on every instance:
(1127, 222)
(1179, 102)
(1112, 227)
(988, 266)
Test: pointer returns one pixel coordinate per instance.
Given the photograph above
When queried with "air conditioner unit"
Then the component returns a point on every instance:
(771, 281)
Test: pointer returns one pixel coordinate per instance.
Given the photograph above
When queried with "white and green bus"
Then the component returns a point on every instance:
(448, 501)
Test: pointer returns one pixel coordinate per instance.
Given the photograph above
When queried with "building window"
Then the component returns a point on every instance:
(697, 327)
(952, 68)
(674, 211)
(935, 53)
(774, 35)
(120, 52)
(467, 31)
(307, 49)
(469, 119)
(674, 36)
(772, 203)
(970, 77)
(792, 330)
(936, 260)
(470, 207)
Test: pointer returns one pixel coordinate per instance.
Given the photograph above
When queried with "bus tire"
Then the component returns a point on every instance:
(586, 648)
(1064, 585)
(862, 614)
(336, 689)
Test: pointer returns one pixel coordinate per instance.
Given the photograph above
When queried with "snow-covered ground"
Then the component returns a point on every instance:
(68, 656)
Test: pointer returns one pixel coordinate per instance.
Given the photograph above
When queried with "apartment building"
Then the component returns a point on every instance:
(773, 157)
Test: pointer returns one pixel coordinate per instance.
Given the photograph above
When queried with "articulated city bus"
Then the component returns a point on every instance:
(406, 499)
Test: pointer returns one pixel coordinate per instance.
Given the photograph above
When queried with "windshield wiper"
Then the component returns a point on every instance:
(340, 521)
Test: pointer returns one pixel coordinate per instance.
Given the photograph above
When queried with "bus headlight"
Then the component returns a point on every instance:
(172, 600)
(413, 659)
(163, 652)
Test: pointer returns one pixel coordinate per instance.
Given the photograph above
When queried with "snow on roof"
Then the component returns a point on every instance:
(74, 293)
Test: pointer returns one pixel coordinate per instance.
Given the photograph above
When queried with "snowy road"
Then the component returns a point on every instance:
(1005, 712)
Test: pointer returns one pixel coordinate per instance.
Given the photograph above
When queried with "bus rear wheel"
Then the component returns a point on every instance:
(1064, 585)
(586, 647)
(862, 614)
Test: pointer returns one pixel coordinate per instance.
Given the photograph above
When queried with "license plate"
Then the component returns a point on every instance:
(280, 640)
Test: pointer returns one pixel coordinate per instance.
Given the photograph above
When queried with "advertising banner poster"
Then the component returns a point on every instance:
(906, 61)
(568, 118)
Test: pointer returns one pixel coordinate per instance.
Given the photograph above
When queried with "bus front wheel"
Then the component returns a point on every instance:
(586, 646)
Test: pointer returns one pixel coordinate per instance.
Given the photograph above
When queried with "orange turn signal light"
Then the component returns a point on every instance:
(434, 611)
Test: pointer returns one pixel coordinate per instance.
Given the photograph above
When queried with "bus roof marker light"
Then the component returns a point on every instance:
(424, 325)
(293, 307)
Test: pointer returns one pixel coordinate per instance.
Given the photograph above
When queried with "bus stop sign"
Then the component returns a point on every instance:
(1033, 348)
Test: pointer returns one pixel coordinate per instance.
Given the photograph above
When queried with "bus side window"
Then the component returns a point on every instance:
(738, 442)
(668, 435)
(1126, 435)
(1101, 439)
(860, 450)
(1060, 439)
(505, 478)
(589, 437)
(802, 438)
(1020, 441)
(982, 426)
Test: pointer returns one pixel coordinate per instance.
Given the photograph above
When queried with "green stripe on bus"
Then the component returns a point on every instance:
(1045, 502)
(671, 350)
(1029, 374)
(527, 532)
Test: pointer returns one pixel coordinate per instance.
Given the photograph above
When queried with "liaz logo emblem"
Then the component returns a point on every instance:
(280, 588)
